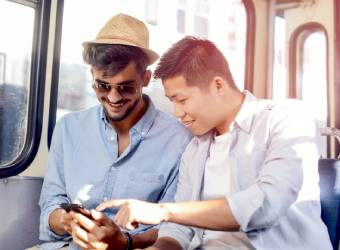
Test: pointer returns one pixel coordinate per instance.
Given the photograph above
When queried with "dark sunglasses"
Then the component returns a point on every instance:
(123, 90)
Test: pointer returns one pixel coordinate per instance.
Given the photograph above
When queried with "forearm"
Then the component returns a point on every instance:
(165, 243)
(212, 214)
(145, 239)
(54, 221)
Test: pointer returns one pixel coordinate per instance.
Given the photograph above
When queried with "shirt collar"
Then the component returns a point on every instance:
(244, 118)
(144, 124)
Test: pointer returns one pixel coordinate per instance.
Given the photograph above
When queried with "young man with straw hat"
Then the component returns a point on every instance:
(123, 148)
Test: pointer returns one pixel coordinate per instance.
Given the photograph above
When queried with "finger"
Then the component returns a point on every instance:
(99, 245)
(98, 216)
(79, 232)
(84, 211)
(124, 218)
(92, 240)
(79, 236)
(83, 220)
(80, 243)
(110, 204)
(68, 229)
(128, 219)
(119, 218)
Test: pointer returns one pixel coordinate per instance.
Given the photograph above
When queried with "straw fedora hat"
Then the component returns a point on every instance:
(125, 30)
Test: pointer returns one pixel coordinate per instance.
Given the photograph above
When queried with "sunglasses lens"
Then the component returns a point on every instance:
(102, 86)
(126, 90)
(123, 90)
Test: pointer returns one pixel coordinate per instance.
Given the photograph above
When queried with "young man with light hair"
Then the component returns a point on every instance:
(249, 177)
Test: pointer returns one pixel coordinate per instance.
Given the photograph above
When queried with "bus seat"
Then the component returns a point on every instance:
(329, 171)
(19, 212)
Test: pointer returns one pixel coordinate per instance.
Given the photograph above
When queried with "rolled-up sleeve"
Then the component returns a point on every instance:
(181, 234)
(289, 169)
(53, 189)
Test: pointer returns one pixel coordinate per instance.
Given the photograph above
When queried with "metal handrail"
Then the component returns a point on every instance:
(328, 131)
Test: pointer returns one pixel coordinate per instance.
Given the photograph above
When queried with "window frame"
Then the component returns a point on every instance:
(296, 43)
(55, 73)
(36, 89)
(250, 45)
(337, 66)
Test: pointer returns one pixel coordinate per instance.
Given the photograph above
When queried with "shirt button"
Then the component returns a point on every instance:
(112, 138)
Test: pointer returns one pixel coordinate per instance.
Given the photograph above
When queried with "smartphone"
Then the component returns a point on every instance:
(76, 208)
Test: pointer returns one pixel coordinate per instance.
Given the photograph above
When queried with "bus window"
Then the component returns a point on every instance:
(280, 68)
(313, 80)
(15, 67)
(223, 22)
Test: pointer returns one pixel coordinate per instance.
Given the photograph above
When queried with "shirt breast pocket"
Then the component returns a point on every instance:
(248, 167)
(144, 186)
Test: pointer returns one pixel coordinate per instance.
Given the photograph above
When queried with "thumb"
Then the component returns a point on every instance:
(110, 204)
(98, 216)
(102, 220)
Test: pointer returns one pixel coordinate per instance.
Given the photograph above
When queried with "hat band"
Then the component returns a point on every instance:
(122, 38)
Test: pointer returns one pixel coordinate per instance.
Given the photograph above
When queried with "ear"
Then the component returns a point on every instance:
(219, 85)
(92, 79)
(146, 78)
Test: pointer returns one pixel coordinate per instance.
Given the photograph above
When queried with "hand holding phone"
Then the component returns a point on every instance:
(76, 208)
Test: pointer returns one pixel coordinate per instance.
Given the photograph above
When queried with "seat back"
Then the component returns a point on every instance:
(19, 212)
(329, 171)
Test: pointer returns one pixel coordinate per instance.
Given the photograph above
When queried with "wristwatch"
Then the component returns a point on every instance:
(129, 245)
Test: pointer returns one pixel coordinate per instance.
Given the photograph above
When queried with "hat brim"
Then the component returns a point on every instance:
(152, 56)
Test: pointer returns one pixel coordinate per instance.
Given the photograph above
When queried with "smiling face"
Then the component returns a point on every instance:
(115, 92)
(198, 108)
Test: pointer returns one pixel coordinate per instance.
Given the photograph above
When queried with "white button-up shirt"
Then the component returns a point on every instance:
(274, 160)
(219, 182)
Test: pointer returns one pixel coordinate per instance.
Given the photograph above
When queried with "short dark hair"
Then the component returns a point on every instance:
(113, 58)
(197, 60)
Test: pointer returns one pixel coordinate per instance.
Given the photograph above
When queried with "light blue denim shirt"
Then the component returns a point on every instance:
(84, 165)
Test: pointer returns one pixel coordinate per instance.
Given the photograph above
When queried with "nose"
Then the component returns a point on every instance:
(178, 112)
(114, 95)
